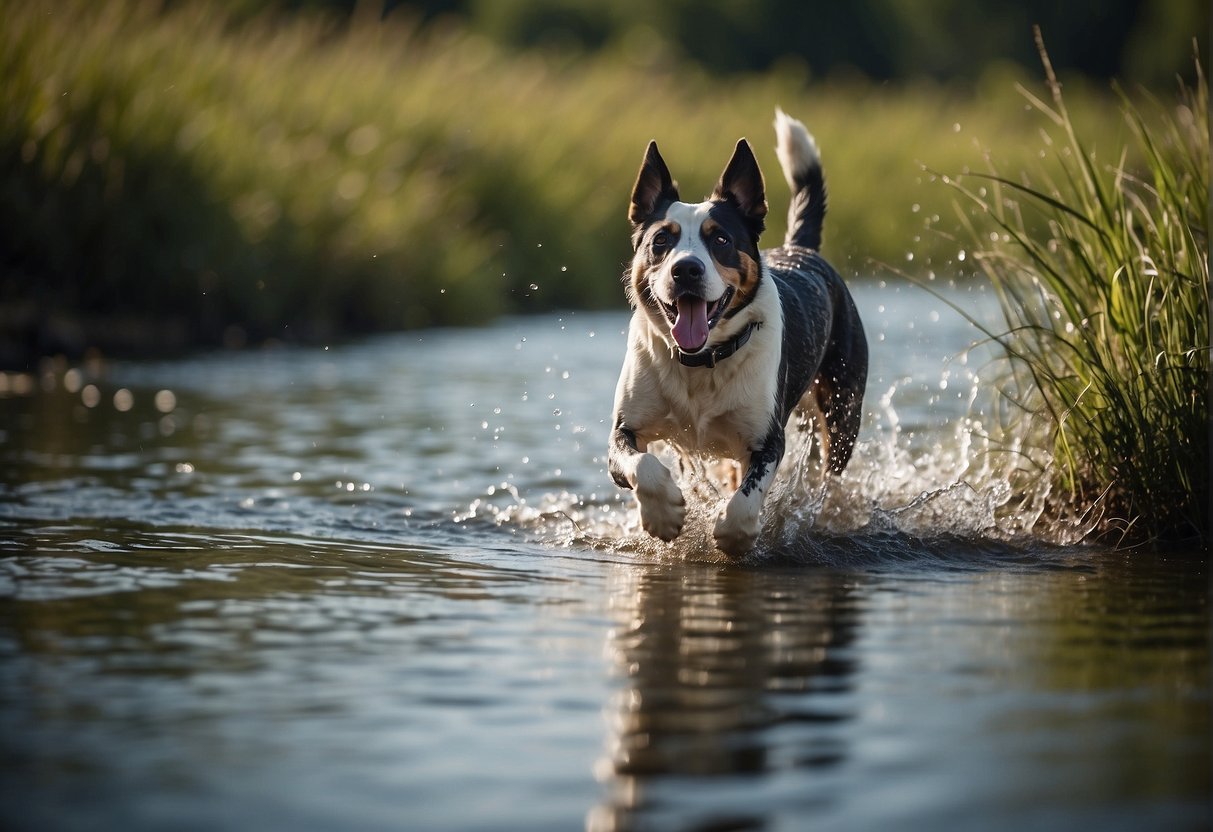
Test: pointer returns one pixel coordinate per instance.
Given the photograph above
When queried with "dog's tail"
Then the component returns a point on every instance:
(801, 165)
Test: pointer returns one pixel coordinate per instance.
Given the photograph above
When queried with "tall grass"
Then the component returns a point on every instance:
(1102, 271)
(170, 175)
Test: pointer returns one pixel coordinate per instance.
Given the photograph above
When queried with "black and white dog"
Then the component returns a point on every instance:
(726, 342)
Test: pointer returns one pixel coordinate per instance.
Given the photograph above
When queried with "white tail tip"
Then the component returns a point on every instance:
(795, 147)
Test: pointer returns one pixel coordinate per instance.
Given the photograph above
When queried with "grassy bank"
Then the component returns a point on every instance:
(173, 178)
(1102, 271)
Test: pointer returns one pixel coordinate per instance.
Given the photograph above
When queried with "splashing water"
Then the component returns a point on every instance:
(954, 488)
(434, 437)
(942, 473)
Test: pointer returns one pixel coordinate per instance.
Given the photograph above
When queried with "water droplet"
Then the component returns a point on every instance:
(166, 401)
(534, 287)
(556, 412)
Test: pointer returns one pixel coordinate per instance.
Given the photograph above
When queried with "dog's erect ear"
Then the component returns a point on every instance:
(741, 183)
(654, 187)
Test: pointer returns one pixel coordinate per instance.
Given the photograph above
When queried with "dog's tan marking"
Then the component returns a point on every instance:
(749, 274)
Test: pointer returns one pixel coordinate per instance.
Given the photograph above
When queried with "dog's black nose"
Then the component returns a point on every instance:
(688, 270)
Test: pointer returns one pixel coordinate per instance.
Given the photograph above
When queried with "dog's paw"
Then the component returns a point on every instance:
(662, 507)
(737, 529)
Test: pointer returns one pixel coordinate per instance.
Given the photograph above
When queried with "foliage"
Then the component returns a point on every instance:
(171, 176)
(1145, 40)
(1102, 273)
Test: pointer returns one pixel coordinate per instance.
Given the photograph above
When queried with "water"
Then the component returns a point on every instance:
(390, 585)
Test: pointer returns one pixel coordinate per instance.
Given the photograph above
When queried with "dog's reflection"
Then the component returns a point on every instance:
(723, 672)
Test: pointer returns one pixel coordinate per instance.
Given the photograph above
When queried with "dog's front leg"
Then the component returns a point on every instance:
(737, 529)
(662, 507)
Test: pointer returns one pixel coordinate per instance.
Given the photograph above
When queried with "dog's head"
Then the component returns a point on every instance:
(696, 265)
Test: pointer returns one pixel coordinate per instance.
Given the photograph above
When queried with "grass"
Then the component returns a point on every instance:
(171, 177)
(1102, 272)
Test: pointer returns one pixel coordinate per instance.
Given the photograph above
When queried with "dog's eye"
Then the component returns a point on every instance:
(661, 239)
(722, 241)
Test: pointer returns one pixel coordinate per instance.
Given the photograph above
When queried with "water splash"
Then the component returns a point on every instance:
(903, 490)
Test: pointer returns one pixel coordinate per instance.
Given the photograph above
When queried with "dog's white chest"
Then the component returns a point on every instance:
(724, 411)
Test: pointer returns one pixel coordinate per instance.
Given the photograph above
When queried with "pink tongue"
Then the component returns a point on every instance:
(691, 325)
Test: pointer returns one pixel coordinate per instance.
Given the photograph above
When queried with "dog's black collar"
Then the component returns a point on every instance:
(708, 358)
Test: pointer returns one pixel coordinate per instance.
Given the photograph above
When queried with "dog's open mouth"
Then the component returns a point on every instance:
(692, 318)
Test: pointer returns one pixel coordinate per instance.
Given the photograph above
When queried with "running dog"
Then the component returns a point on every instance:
(726, 342)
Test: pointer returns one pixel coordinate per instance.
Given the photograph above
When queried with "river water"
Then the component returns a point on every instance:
(389, 585)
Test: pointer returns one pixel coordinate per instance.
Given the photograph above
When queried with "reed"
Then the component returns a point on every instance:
(168, 170)
(1102, 272)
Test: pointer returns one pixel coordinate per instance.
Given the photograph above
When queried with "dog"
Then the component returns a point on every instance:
(727, 343)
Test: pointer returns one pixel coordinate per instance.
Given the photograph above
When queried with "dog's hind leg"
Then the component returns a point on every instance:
(838, 392)
(809, 419)
(841, 408)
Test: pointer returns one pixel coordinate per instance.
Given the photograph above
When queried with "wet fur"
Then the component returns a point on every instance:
(808, 353)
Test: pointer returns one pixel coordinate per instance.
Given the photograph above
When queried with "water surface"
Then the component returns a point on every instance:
(389, 585)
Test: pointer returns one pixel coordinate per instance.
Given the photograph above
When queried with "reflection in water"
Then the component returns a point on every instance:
(306, 593)
(172, 679)
(711, 661)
